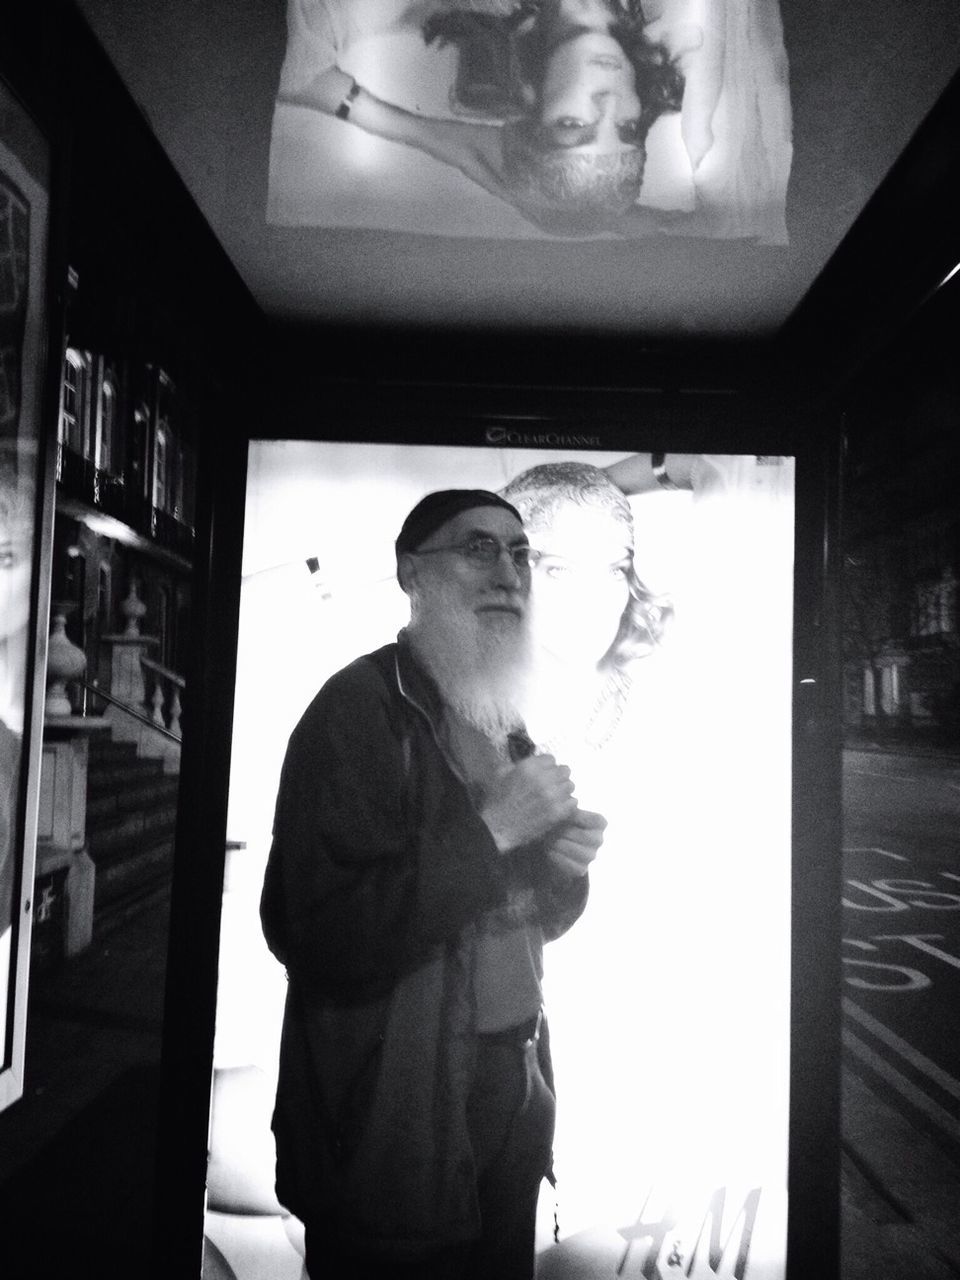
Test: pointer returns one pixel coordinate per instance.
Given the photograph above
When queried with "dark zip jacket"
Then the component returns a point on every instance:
(380, 871)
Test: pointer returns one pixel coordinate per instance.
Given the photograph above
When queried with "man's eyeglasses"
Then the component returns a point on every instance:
(484, 549)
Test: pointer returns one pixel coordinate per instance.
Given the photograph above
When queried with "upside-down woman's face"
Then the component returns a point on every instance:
(589, 99)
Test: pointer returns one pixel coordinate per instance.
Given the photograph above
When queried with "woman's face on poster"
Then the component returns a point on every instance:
(14, 582)
(579, 586)
(589, 99)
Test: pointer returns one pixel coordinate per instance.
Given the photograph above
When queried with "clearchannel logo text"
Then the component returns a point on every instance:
(507, 435)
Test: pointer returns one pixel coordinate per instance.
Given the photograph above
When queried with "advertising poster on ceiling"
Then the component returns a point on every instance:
(654, 661)
(530, 118)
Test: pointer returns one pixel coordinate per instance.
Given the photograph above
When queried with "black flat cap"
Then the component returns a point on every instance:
(437, 508)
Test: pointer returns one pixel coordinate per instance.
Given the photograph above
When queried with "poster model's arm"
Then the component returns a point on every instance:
(694, 34)
(692, 471)
(472, 148)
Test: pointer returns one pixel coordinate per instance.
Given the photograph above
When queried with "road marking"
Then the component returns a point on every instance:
(891, 777)
(915, 980)
(890, 1038)
(922, 942)
(903, 777)
(906, 1088)
(869, 848)
(892, 904)
(901, 895)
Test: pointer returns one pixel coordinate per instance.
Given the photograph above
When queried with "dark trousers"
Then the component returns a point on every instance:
(511, 1116)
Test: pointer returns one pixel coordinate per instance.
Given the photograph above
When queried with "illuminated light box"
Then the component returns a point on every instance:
(485, 119)
(662, 672)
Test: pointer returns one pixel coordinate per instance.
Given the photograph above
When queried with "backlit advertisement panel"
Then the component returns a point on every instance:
(659, 636)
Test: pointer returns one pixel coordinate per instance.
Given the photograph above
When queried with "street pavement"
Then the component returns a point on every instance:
(901, 1016)
(77, 1151)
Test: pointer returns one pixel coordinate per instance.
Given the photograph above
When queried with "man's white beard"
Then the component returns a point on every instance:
(481, 666)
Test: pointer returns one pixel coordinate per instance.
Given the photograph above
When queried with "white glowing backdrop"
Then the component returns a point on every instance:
(669, 1000)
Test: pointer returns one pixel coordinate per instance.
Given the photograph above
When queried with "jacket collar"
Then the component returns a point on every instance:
(415, 684)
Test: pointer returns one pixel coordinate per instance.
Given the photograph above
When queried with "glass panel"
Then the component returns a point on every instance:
(160, 469)
(107, 424)
(658, 667)
(23, 536)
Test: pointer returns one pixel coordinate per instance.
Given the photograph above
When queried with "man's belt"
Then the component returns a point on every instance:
(523, 1034)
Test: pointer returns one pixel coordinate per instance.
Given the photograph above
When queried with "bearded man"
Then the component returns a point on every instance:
(422, 855)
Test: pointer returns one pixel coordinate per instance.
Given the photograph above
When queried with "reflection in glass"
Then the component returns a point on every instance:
(511, 118)
(15, 546)
(16, 536)
(23, 221)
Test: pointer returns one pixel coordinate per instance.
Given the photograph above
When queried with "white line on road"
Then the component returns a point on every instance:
(889, 777)
(898, 857)
(922, 942)
(907, 1051)
(906, 1088)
